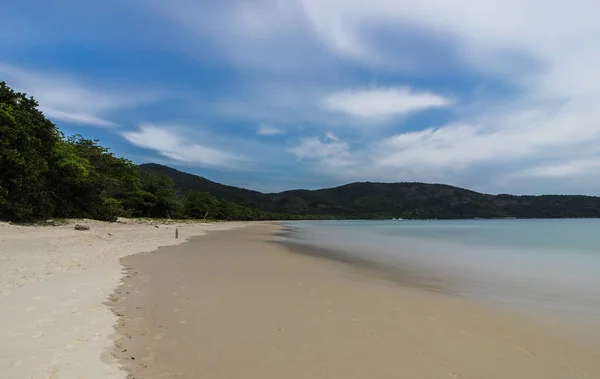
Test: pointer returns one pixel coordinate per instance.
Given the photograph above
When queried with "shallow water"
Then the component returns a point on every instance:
(541, 264)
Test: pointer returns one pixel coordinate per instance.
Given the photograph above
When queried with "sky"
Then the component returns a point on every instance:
(494, 96)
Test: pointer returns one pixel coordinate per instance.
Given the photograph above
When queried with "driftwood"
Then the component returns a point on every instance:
(81, 227)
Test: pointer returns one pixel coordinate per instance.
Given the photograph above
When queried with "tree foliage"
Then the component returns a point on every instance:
(27, 140)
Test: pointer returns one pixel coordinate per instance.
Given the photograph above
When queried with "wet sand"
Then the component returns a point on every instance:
(232, 304)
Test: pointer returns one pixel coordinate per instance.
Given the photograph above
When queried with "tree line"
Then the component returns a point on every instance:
(45, 174)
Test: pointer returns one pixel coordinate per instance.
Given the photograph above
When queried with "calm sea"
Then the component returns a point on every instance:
(546, 264)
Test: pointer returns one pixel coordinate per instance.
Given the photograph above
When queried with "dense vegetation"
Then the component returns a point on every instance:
(44, 174)
(388, 200)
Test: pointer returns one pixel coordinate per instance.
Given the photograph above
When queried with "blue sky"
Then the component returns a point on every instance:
(500, 97)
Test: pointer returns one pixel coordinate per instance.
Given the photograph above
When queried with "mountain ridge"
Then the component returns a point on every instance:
(375, 200)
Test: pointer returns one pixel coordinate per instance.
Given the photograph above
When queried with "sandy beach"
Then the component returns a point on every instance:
(54, 282)
(231, 304)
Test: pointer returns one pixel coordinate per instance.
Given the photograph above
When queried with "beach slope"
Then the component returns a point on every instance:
(234, 305)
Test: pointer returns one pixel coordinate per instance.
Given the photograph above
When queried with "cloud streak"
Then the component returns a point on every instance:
(163, 140)
(382, 103)
(71, 100)
(269, 130)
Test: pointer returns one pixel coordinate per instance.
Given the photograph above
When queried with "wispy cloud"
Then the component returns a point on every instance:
(330, 152)
(320, 106)
(382, 103)
(445, 153)
(328, 147)
(69, 99)
(165, 141)
(269, 130)
(75, 118)
(564, 170)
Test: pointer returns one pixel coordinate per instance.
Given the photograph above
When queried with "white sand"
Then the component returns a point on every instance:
(53, 285)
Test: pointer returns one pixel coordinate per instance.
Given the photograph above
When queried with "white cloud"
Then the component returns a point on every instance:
(247, 34)
(163, 140)
(446, 153)
(383, 103)
(570, 169)
(519, 135)
(269, 130)
(286, 106)
(330, 152)
(65, 98)
(311, 105)
(331, 137)
(75, 118)
(482, 29)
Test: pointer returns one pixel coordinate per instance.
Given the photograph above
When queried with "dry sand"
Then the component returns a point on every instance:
(232, 305)
(53, 283)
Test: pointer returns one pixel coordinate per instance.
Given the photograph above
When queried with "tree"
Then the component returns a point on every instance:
(197, 204)
(155, 197)
(87, 179)
(27, 138)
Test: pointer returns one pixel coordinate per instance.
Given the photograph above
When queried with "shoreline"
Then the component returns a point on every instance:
(235, 304)
(54, 282)
(366, 266)
(531, 279)
(578, 325)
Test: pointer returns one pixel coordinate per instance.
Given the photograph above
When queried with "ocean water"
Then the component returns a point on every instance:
(543, 264)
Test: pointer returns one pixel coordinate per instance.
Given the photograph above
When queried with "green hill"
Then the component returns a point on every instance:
(188, 182)
(387, 200)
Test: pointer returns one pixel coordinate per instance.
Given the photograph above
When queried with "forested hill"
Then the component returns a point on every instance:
(388, 200)
(188, 182)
